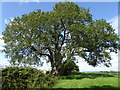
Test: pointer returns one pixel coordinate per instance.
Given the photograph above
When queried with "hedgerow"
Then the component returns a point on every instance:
(24, 78)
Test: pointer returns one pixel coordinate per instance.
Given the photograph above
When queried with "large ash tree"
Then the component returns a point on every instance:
(58, 36)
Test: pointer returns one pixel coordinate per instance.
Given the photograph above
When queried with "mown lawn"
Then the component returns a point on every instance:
(89, 80)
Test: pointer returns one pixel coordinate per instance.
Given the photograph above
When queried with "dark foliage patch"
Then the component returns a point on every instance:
(16, 77)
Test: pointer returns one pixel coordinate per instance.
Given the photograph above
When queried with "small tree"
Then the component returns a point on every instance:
(67, 67)
(59, 35)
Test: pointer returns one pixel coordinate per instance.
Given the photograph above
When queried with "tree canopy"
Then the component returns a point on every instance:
(58, 36)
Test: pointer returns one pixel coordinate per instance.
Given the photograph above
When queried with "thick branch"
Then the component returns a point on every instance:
(41, 54)
(64, 34)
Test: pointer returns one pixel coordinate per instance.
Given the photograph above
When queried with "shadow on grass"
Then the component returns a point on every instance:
(87, 75)
(105, 87)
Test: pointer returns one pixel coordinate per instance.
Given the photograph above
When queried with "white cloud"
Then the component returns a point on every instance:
(45, 67)
(6, 21)
(114, 22)
(36, 0)
(1, 48)
(1, 41)
(3, 61)
(23, 1)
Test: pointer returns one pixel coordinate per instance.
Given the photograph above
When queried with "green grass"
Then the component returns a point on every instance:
(89, 80)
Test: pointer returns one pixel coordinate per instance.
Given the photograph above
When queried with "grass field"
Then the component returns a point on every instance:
(89, 80)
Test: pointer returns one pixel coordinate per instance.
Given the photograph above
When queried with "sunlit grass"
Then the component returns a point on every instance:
(97, 82)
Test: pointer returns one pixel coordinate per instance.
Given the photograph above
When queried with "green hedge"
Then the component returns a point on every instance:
(16, 77)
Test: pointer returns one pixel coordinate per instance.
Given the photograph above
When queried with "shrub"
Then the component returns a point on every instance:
(16, 77)
(68, 67)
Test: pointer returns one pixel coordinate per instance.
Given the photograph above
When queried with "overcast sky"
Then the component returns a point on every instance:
(99, 10)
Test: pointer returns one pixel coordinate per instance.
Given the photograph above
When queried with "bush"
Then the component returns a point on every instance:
(16, 77)
(68, 67)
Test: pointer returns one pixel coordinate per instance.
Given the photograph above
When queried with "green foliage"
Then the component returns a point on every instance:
(16, 77)
(68, 67)
(66, 31)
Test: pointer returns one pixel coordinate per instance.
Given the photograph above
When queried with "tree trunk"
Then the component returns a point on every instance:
(56, 67)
